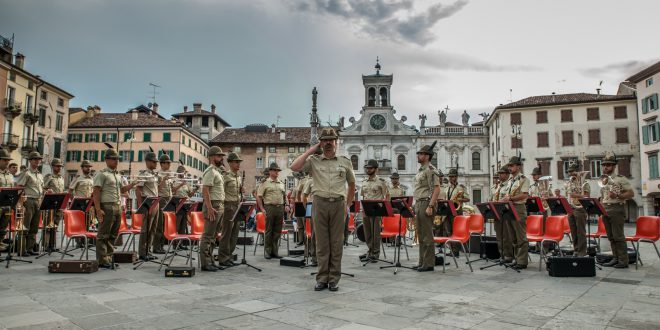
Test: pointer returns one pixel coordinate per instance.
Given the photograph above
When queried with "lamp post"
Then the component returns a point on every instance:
(130, 159)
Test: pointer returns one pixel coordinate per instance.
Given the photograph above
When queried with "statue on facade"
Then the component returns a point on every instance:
(423, 119)
(314, 96)
(340, 123)
(466, 118)
(443, 116)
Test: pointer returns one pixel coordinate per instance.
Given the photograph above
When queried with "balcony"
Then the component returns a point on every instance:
(9, 141)
(11, 108)
(455, 130)
(28, 146)
(30, 117)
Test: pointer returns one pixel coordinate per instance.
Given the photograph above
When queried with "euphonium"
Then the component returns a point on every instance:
(457, 200)
(606, 181)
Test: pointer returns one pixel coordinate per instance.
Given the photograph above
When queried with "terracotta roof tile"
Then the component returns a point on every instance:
(124, 120)
(261, 134)
(639, 76)
(543, 100)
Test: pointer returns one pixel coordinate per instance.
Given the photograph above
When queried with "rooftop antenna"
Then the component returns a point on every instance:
(510, 95)
(277, 123)
(154, 93)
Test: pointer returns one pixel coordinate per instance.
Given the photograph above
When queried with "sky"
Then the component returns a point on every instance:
(258, 60)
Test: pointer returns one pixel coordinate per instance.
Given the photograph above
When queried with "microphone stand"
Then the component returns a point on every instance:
(243, 260)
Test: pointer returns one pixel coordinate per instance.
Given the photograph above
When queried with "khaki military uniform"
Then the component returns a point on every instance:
(82, 186)
(454, 191)
(516, 185)
(271, 193)
(425, 182)
(311, 247)
(6, 181)
(33, 183)
(397, 191)
(300, 234)
(616, 218)
(56, 184)
(150, 223)
(165, 194)
(229, 228)
(329, 177)
(373, 188)
(212, 178)
(504, 244)
(181, 216)
(578, 220)
(110, 184)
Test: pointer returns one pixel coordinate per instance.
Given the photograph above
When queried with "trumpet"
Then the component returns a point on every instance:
(139, 178)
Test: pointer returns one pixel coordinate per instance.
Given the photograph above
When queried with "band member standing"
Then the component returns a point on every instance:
(334, 190)
(107, 203)
(614, 194)
(516, 191)
(270, 201)
(396, 190)
(300, 188)
(373, 187)
(503, 236)
(143, 190)
(83, 184)
(427, 188)
(54, 184)
(213, 192)
(578, 188)
(458, 194)
(230, 228)
(32, 182)
(184, 191)
(6, 181)
(165, 189)
(308, 197)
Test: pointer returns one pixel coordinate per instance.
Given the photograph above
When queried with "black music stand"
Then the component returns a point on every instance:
(174, 204)
(595, 208)
(401, 205)
(446, 208)
(51, 203)
(504, 211)
(559, 206)
(242, 214)
(81, 204)
(377, 208)
(9, 197)
(487, 211)
(534, 204)
(149, 204)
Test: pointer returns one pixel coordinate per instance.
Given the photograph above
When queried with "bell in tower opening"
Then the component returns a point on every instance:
(377, 89)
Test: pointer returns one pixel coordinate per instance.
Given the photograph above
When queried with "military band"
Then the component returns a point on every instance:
(577, 188)
(148, 187)
(213, 192)
(32, 183)
(502, 233)
(517, 190)
(233, 195)
(270, 201)
(426, 191)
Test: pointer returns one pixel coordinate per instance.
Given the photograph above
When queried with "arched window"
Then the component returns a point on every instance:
(476, 161)
(371, 98)
(354, 161)
(383, 97)
(401, 163)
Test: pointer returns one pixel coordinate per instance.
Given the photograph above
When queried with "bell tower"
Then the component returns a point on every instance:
(377, 89)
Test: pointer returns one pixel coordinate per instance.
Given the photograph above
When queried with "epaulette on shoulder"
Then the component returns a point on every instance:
(462, 185)
(348, 159)
(523, 176)
(431, 167)
(381, 179)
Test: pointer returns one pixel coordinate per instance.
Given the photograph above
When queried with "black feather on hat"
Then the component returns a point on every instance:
(108, 145)
(151, 149)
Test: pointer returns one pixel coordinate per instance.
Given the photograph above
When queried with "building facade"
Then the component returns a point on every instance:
(647, 87)
(132, 134)
(201, 122)
(552, 131)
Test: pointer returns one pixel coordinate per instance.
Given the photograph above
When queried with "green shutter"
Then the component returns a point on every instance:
(86, 137)
(102, 155)
(103, 137)
(645, 105)
(654, 97)
(645, 134)
(68, 156)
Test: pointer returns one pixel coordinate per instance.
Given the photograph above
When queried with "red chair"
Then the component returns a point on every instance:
(601, 232)
(74, 226)
(136, 221)
(308, 235)
(567, 230)
(647, 231)
(125, 230)
(351, 225)
(197, 223)
(476, 226)
(460, 234)
(534, 225)
(172, 236)
(391, 230)
(260, 218)
(554, 232)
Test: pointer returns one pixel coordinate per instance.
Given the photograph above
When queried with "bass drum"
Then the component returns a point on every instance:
(359, 232)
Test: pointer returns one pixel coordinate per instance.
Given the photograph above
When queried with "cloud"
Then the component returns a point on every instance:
(625, 68)
(386, 19)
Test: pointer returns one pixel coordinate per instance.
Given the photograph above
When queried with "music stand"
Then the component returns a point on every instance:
(51, 203)
(149, 204)
(504, 211)
(487, 211)
(403, 208)
(376, 208)
(81, 204)
(593, 207)
(559, 206)
(173, 205)
(9, 197)
(534, 204)
(242, 214)
(446, 208)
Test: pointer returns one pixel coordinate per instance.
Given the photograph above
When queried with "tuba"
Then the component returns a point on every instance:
(457, 203)
(606, 181)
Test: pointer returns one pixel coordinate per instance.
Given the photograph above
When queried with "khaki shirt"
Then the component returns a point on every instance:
(397, 191)
(454, 191)
(166, 189)
(212, 178)
(307, 190)
(150, 187)
(425, 181)
(232, 186)
(271, 192)
(494, 192)
(300, 189)
(82, 186)
(574, 186)
(54, 183)
(33, 182)
(6, 179)
(374, 188)
(330, 175)
(620, 181)
(183, 191)
(515, 186)
(110, 182)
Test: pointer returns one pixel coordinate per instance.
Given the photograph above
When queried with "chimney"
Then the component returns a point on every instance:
(185, 108)
(598, 91)
(154, 107)
(213, 108)
(97, 109)
(272, 128)
(282, 136)
(90, 112)
(19, 60)
(134, 114)
(197, 107)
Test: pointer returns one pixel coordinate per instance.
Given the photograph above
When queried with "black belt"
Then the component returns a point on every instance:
(423, 199)
(273, 204)
(612, 204)
(330, 199)
(36, 198)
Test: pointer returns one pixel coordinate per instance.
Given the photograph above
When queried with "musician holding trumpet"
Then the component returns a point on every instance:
(32, 182)
(6, 181)
(615, 191)
(576, 188)
(458, 194)
(516, 190)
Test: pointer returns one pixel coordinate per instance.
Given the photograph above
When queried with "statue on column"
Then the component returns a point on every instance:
(423, 119)
(443, 117)
(466, 118)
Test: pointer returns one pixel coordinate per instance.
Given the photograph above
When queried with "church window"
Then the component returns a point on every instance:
(401, 163)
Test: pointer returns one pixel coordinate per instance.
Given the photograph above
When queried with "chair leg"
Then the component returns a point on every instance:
(256, 243)
(656, 249)
(444, 254)
(541, 255)
(452, 255)
(383, 247)
(405, 246)
(66, 249)
(162, 261)
(638, 255)
(467, 258)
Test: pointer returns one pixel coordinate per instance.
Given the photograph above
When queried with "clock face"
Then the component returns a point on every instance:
(377, 122)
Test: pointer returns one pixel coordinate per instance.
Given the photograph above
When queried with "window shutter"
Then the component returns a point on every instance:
(102, 155)
(624, 167)
(645, 134)
(560, 169)
(645, 105)
(86, 137)
(654, 97)
(68, 156)
(103, 137)
(585, 165)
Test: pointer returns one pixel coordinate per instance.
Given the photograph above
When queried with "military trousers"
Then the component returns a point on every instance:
(159, 228)
(107, 232)
(518, 233)
(274, 218)
(329, 215)
(147, 231)
(578, 224)
(424, 225)
(31, 222)
(503, 236)
(228, 232)
(614, 221)
(211, 230)
(372, 235)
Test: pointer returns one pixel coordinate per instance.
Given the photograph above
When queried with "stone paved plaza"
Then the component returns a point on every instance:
(282, 298)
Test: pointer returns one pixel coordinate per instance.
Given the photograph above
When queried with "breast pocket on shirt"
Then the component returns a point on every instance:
(341, 172)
